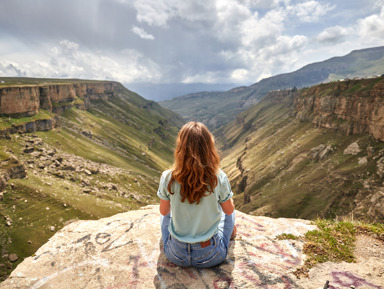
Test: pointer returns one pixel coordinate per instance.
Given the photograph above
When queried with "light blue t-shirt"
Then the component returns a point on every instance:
(193, 223)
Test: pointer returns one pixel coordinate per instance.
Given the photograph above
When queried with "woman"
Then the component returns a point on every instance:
(196, 202)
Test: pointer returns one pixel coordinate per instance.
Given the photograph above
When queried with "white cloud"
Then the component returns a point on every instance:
(68, 59)
(262, 31)
(159, 12)
(196, 40)
(333, 34)
(310, 11)
(154, 12)
(372, 26)
(239, 75)
(142, 33)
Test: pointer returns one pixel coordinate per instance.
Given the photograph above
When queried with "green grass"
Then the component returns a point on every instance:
(132, 140)
(18, 81)
(6, 122)
(333, 241)
(285, 236)
(282, 177)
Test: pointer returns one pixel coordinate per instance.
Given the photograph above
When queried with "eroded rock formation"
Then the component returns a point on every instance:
(17, 101)
(350, 106)
(11, 168)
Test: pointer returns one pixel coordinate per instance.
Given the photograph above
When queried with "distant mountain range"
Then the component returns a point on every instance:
(218, 108)
(164, 91)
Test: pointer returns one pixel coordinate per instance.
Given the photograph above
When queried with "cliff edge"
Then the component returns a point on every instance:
(124, 251)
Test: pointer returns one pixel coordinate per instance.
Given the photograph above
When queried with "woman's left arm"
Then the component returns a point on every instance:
(165, 207)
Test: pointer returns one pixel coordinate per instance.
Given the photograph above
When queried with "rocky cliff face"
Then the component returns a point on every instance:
(351, 106)
(18, 101)
(23, 101)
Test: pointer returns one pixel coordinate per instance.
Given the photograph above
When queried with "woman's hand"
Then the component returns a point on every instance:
(165, 207)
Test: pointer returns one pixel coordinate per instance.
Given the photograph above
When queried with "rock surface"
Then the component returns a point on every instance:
(11, 168)
(28, 100)
(352, 107)
(124, 251)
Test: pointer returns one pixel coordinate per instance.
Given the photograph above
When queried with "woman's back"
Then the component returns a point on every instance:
(193, 196)
(193, 223)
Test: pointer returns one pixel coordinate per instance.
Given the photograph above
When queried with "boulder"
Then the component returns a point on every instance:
(352, 149)
(320, 152)
(13, 257)
(125, 251)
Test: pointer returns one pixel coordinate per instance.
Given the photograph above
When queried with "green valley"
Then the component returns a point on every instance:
(95, 162)
(327, 164)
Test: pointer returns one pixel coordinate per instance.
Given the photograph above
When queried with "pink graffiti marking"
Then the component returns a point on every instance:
(347, 279)
(258, 227)
(189, 272)
(275, 249)
(229, 283)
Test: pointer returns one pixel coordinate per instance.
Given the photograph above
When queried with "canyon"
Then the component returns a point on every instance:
(89, 151)
(310, 152)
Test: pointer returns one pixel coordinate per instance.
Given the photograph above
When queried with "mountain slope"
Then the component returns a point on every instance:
(218, 108)
(321, 159)
(96, 162)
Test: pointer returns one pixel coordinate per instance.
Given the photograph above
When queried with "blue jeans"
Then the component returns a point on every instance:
(186, 254)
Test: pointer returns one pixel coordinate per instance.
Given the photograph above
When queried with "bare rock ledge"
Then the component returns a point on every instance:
(124, 251)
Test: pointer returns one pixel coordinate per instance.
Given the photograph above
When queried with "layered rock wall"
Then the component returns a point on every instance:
(29, 127)
(351, 107)
(18, 101)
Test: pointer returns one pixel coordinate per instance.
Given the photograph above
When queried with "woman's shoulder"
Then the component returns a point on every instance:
(221, 176)
(166, 174)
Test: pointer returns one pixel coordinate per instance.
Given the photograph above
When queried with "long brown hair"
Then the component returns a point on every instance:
(196, 162)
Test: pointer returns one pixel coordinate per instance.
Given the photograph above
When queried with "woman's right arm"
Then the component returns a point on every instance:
(165, 207)
(228, 207)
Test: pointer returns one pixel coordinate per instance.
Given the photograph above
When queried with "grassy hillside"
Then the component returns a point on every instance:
(219, 108)
(270, 158)
(97, 163)
(9, 81)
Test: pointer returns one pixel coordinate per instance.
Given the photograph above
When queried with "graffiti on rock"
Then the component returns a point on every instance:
(349, 280)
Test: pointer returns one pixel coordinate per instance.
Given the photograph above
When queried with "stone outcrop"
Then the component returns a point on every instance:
(31, 126)
(19, 101)
(349, 106)
(11, 168)
(125, 251)
(352, 107)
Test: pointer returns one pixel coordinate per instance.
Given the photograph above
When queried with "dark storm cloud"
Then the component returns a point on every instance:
(97, 23)
(211, 41)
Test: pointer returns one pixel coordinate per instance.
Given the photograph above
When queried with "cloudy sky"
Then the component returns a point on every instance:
(181, 41)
